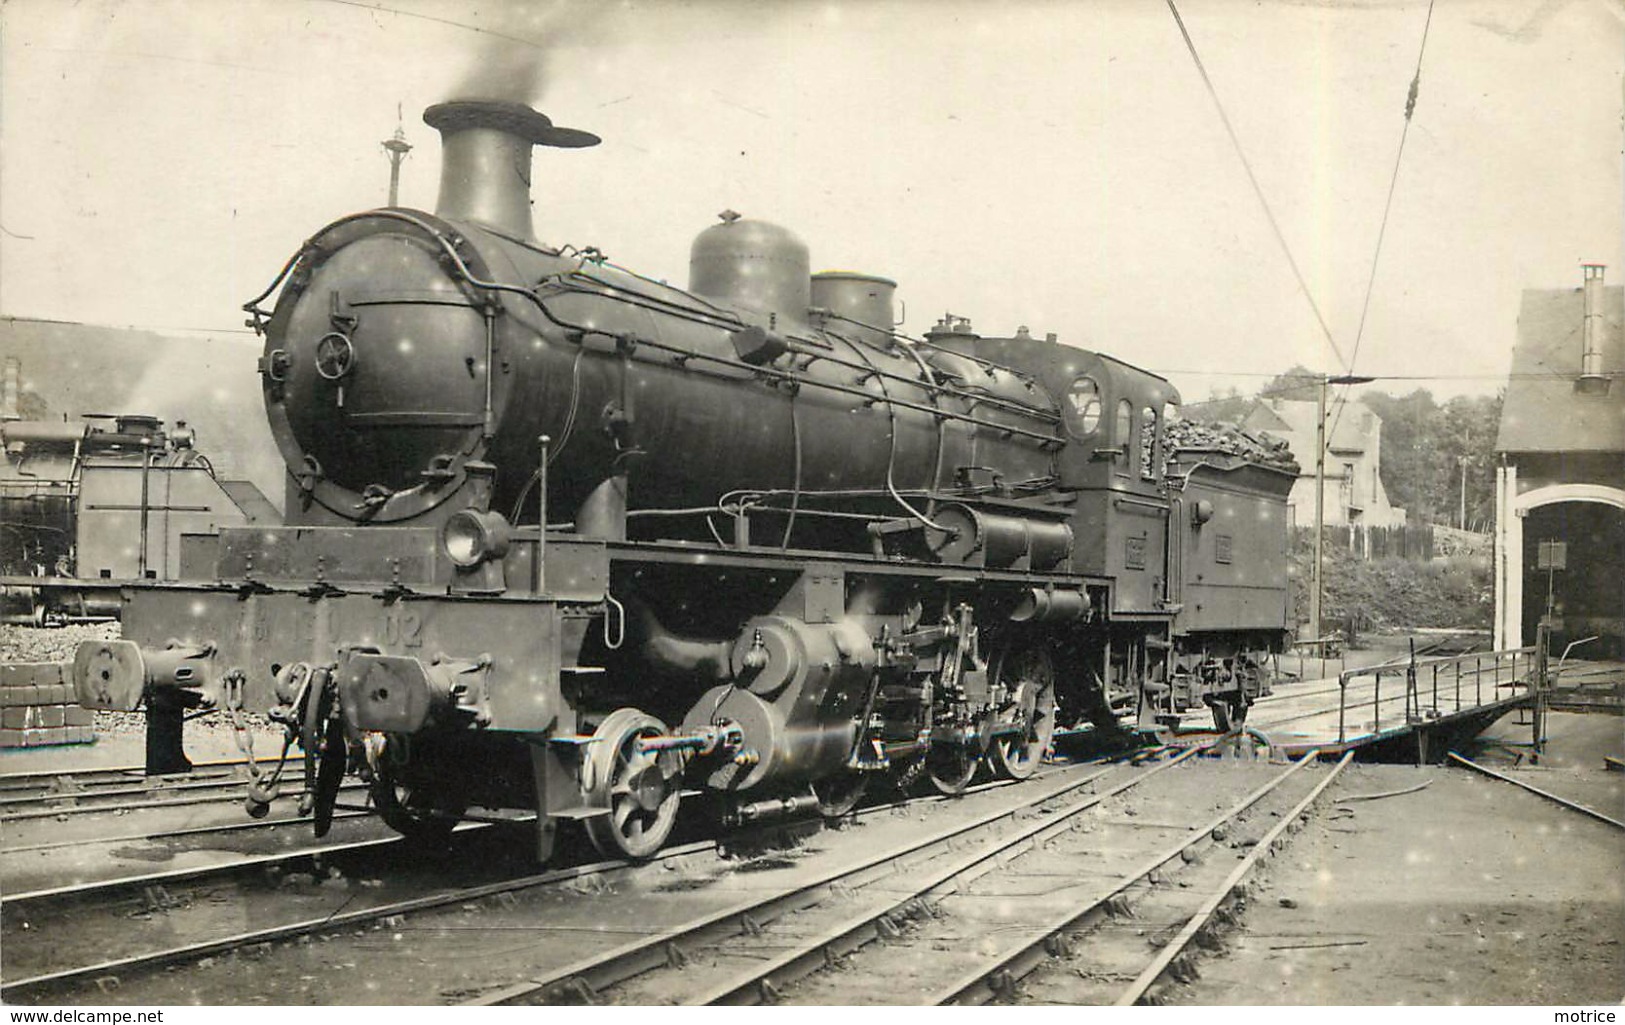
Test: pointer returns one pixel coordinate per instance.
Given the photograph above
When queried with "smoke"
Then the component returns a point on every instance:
(519, 46)
(223, 405)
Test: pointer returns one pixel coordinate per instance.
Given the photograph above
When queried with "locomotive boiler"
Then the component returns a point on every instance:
(563, 537)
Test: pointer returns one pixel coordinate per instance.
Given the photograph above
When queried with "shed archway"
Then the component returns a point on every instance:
(1565, 558)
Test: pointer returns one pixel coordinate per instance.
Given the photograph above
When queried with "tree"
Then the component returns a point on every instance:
(1300, 383)
(1467, 428)
(1424, 448)
(1228, 406)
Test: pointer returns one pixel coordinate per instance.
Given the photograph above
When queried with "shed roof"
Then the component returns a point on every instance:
(1543, 412)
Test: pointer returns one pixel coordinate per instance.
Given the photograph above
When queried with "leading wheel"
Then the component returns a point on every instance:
(640, 788)
(839, 794)
(418, 811)
(1025, 678)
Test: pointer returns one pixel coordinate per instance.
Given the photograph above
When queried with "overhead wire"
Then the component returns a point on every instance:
(1509, 376)
(1252, 178)
(1393, 182)
(379, 8)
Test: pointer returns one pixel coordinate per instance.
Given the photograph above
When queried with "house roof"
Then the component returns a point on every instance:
(1262, 417)
(1349, 431)
(1543, 412)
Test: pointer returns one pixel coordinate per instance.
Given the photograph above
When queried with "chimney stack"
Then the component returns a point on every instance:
(1592, 379)
(11, 389)
(485, 160)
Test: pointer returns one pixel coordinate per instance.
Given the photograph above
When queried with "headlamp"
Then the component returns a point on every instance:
(471, 537)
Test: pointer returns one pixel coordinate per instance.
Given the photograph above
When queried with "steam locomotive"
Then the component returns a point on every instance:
(563, 537)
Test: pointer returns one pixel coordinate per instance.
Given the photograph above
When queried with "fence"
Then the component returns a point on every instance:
(1417, 542)
(1405, 542)
(1421, 690)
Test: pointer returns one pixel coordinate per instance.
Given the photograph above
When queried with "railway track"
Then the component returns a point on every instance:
(341, 911)
(113, 825)
(22, 788)
(948, 910)
(115, 839)
(676, 949)
(60, 796)
(105, 867)
(196, 909)
(138, 834)
(1075, 946)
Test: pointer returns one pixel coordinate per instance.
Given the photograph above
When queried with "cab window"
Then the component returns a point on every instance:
(1083, 407)
(1123, 433)
(1150, 445)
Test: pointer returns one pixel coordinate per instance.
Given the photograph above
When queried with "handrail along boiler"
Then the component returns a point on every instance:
(565, 537)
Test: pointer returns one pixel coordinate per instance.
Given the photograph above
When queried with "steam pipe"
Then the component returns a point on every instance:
(146, 468)
(678, 655)
(538, 575)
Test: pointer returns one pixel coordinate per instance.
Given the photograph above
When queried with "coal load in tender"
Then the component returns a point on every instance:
(1258, 447)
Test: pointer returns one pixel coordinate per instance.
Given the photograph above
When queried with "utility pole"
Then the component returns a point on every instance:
(1466, 446)
(1320, 505)
(398, 148)
(1315, 590)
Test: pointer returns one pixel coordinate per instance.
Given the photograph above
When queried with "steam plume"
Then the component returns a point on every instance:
(519, 46)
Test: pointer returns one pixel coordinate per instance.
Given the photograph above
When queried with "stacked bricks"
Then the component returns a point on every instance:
(37, 707)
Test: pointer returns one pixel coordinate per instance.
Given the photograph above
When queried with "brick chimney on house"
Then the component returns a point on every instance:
(1593, 380)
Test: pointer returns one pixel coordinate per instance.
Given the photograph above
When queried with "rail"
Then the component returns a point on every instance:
(1555, 798)
(1435, 687)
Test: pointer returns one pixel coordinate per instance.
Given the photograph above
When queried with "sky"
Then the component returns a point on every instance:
(1058, 165)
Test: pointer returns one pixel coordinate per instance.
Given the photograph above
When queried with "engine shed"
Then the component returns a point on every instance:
(1560, 482)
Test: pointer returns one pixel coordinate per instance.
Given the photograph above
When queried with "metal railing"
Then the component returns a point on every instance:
(1324, 647)
(1430, 688)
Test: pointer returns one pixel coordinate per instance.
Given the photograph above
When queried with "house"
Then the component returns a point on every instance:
(1560, 485)
(1354, 495)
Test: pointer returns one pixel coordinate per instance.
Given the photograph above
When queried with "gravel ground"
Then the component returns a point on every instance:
(32, 644)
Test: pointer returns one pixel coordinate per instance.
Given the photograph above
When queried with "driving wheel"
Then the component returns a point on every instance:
(950, 766)
(1025, 678)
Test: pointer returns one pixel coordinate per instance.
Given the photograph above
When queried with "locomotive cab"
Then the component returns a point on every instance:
(1114, 465)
